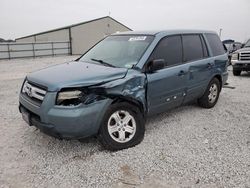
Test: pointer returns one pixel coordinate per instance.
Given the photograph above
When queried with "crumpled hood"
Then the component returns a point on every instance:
(75, 74)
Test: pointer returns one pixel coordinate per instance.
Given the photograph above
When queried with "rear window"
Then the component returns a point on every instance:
(215, 44)
(192, 47)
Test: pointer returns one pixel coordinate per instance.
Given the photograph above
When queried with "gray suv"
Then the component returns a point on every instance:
(111, 89)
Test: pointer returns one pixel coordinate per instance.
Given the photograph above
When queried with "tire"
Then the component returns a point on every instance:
(116, 132)
(229, 61)
(236, 72)
(211, 95)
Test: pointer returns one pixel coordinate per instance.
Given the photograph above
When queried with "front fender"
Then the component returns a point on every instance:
(131, 88)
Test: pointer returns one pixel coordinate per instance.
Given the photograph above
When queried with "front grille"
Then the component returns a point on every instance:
(33, 93)
(244, 56)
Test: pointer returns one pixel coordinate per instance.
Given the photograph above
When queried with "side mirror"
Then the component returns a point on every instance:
(156, 64)
(242, 45)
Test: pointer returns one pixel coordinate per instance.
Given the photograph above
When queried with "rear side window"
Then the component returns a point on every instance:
(215, 44)
(169, 49)
(192, 47)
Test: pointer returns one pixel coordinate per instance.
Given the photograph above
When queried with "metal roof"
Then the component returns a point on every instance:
(73, 25)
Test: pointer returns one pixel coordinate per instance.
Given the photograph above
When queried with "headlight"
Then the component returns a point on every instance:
(69, 98)
(76, 97)
(24, 86)
(235, 56)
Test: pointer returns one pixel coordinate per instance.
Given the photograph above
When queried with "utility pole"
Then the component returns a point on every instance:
(220, 32)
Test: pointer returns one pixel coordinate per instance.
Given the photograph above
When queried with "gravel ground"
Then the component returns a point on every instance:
(185, 147)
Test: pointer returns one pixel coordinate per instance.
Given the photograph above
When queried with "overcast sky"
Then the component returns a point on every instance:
(23, 17)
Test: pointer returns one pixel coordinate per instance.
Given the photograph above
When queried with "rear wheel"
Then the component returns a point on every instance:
(236, 72)
(122, 127)
(211, 95)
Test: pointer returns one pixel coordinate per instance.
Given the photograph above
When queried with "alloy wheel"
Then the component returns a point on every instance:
(121, 126)
(213, 93)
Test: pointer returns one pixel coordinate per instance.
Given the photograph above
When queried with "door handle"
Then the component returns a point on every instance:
(181, 73)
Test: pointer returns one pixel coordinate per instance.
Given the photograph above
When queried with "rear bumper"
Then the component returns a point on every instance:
(65, 122)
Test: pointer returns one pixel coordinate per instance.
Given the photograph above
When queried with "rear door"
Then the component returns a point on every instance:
(166, 86)
(219, 57)
(199, 65)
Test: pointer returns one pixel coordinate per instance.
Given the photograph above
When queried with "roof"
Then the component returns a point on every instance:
(167, 32)
(73, 25)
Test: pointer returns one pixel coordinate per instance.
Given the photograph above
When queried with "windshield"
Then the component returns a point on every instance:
(118, 51)
(247, 44)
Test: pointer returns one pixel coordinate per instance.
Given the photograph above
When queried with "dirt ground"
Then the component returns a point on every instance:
(185, 147)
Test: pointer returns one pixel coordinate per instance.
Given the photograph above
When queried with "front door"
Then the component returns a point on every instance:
(166, 87)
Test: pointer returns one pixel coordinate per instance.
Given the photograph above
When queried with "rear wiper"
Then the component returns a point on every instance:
(102, 62)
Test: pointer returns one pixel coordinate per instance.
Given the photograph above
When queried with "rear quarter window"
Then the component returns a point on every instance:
(215, 44)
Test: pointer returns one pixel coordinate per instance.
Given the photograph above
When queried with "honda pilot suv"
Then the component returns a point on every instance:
(111, 89)
(241, 59)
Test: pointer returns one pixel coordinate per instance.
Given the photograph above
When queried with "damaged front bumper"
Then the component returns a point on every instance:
(69, 122)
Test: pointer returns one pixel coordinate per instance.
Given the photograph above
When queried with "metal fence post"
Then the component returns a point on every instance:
(33, 48)
(8, 45)
(70, 42)
(69, 48)
(52, 48)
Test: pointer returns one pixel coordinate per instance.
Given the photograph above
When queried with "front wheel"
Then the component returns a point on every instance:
(211, 95)
(122, 127)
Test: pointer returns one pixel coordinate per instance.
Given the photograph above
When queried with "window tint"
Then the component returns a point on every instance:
(169, 49)
(215, 44)
(192, 47)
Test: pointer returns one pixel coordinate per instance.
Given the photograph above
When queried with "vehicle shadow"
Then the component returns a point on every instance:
(245, 74)
(43, 143)
(169, 116)
(91, 144)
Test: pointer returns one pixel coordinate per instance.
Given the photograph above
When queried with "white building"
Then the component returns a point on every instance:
(81, 36)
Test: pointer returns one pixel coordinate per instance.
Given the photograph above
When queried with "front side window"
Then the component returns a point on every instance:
(192, 47)
(169, 49)
(119, 51)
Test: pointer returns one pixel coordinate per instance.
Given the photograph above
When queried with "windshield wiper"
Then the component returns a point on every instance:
(102, 62)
